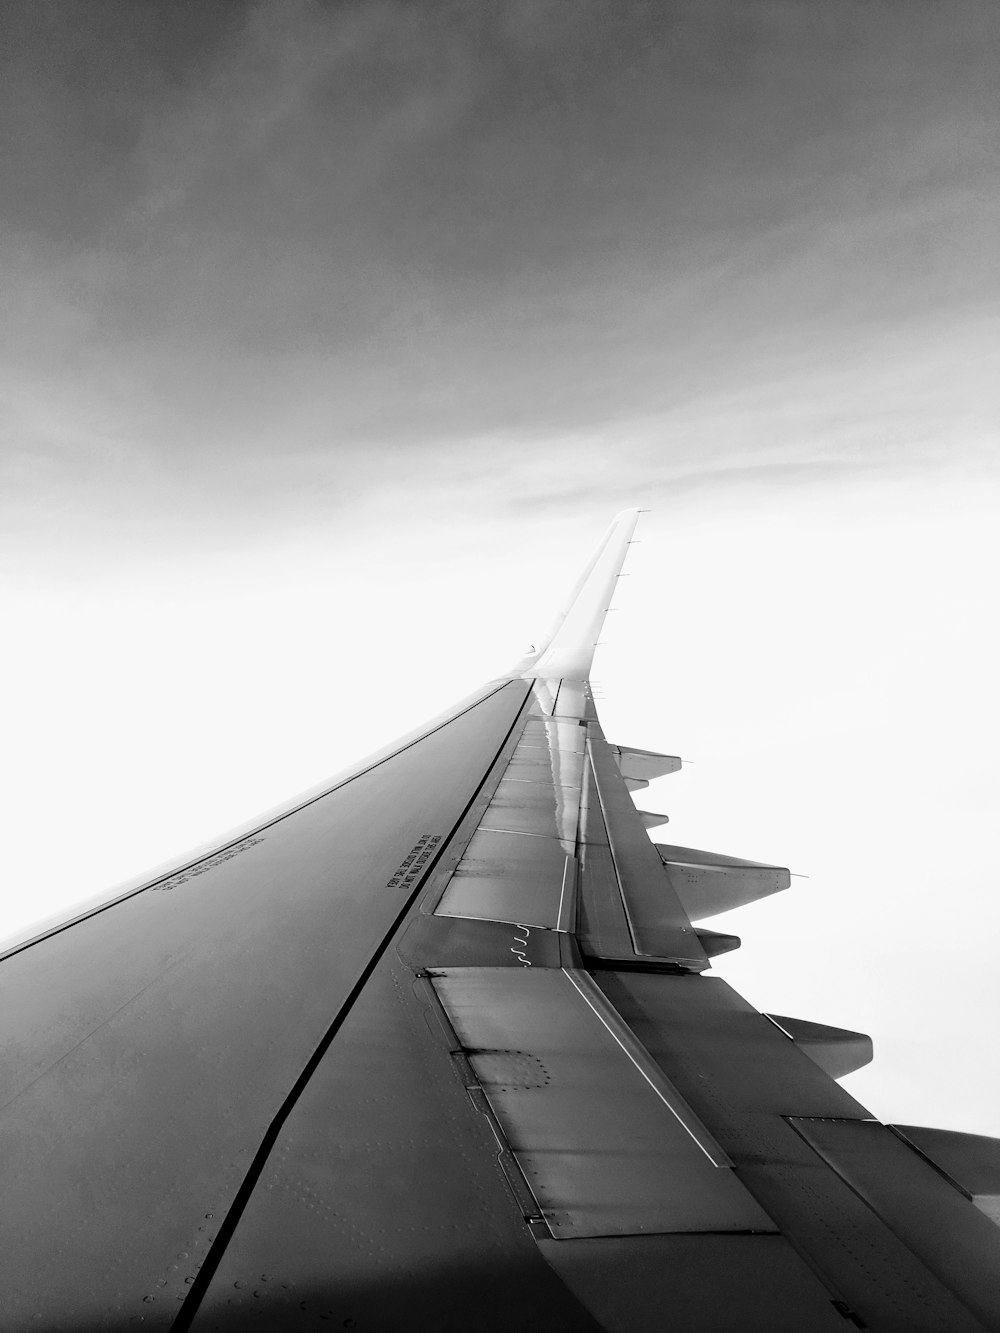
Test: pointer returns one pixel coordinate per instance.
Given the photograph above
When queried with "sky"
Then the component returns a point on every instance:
(333, 334)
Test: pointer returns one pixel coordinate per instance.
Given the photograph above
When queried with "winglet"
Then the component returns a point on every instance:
(570, 650)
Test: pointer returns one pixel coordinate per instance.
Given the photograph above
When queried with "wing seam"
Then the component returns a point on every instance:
(199, 1288)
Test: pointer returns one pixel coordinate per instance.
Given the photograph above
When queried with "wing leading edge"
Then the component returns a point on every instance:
(463, 1071)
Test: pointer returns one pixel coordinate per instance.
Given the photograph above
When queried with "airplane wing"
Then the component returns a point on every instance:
(434, 1049)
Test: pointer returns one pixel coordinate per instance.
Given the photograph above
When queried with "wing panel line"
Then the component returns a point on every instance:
(189, 1310)
(616, 1026)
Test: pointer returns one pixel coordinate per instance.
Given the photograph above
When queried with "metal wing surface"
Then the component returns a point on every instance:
(433, 1049)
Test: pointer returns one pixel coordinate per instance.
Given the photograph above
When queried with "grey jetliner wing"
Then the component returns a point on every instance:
(434, 1049)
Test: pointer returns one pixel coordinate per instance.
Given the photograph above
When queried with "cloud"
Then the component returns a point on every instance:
(275, 260)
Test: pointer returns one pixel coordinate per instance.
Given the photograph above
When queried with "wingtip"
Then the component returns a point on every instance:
(570, 651)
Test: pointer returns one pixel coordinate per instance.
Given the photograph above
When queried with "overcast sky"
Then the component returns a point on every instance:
(334, 334)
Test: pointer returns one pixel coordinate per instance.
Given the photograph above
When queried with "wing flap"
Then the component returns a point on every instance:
(606, 1146)
(972, 1161)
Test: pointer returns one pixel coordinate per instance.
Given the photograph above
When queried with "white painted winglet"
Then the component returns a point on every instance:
(570, 650)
